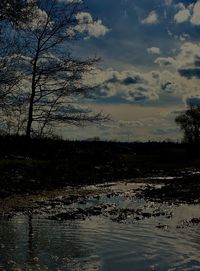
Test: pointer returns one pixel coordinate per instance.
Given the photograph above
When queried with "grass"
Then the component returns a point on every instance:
(46, 164)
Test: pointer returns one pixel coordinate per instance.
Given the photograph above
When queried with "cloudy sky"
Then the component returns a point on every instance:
(150, 68)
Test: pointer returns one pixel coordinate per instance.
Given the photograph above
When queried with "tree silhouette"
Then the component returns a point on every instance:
(189, 122)
(12, 14)
(50, 79)
(15, 11)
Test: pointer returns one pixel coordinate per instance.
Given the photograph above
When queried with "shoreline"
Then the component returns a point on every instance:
(44, 167)
(185, 190)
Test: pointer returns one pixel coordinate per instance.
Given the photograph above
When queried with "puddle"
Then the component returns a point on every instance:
(108, 229)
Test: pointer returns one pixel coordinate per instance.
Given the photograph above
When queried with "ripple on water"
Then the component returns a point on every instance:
(101, 244)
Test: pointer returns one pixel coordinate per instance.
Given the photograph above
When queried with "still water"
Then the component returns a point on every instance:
(98, 243)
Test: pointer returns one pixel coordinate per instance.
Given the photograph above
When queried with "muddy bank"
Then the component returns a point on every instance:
(121, 202)
(37, 165)
(170, 189)
(185, 189)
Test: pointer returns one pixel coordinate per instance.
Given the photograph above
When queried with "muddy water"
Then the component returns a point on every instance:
(163, 242)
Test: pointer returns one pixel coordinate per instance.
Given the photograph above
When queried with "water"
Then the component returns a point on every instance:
(98, 243)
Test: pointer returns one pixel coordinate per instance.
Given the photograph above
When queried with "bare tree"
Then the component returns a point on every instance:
(51, 79)
(13, 13)
(189, 122)
(16, 11)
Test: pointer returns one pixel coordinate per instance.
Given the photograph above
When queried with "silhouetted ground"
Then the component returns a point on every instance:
(176, 191)
(31, 166)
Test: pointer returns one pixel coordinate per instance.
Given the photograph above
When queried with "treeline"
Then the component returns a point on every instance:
(29, 166)
(19, 147)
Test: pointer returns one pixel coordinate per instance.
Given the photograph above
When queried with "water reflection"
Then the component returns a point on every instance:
(28, 241)
(36, 243)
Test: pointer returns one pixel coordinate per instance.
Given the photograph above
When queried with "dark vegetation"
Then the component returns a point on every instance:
(189, 122)
(183, 190)
(38, 164)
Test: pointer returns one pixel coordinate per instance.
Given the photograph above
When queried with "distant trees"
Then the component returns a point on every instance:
(45, 81)
(189, 122)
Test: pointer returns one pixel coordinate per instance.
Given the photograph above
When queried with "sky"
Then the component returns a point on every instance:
(149, 70)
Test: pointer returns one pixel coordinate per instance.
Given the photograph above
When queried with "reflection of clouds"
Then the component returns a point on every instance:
(109, 245)
(128, 245)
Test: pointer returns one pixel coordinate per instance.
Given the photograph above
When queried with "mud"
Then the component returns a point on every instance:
(176, 191)
(108, 200)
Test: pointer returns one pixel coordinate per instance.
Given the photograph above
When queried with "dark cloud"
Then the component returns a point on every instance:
(165, 86)
(139, 97)
(140, 94)
(189, 73)
(193, 101)
(197, 61)
(76, 109)
(136, 79)
(113, 80)
(185, 2)
(132, 80)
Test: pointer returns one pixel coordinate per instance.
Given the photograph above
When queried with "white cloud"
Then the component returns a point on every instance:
(164, 87)
(88, 25)
(182, 15)
(152, 18)
(154, 50)
(165, 61)
(127, 86)
(182, 72)
(191, 13)
(188, 53)
(196, 14)
(137, 86)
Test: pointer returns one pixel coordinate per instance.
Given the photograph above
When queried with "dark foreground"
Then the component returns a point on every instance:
(61, 210)
(32, 166)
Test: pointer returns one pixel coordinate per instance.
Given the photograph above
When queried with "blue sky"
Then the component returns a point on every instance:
(150, 67)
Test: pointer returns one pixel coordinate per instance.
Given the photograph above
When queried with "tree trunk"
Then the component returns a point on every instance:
(31, 103)
(30, 117)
